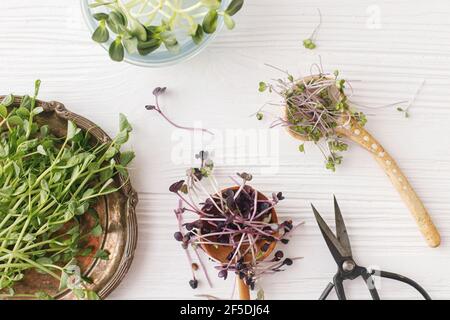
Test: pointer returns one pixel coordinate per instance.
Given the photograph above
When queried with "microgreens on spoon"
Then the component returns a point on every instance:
(314, 108)
(239, 218)
(143, 26)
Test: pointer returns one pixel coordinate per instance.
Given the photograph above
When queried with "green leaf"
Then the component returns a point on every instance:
(122, 137)
(101, 34)
(3, 111)
(26, 102)
(97, 231)
(301, 148)
(102, 255)
(116, 22)
(8, 100)
(37, 86)
(100, 16)
(44, 261)
(229, 22)
(210, 21)
(147, 47)
(309, 44)
(126, 157)
(170, 42)
(234, 7)
(85, 252)
(131, 45)
(260, 294)
(37, 111)
(72, 130)
(106, 185)
(91, 295)
(88, 193)
(124, 124)
(138, 30)
(116, 50)
(197, 37)
(41, 150)
(23, 112)
(262, 86)
(80, 294)
(41, 295)
(15, 121)
(111, 152)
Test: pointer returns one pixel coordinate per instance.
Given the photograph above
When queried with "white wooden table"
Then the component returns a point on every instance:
(386, 47)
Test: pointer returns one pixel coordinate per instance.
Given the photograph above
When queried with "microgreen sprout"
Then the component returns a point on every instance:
(238, 218)
(48, 185)
(405, 110)
(314, 109)
(310, 43)
(157, 92)
(143, 26)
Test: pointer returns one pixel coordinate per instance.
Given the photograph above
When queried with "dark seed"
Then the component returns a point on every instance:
(279, 255)
(223, 274)
(198, 173)
(194, 266)
(265, 246)
(288, 262)
(178, 236)
(288, 226)
(193, 284)
(284, 241)
(280, 196)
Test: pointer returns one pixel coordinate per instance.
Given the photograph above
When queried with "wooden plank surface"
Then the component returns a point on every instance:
(387, 48)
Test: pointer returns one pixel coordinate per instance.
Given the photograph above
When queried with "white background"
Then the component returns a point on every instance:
(386, 47)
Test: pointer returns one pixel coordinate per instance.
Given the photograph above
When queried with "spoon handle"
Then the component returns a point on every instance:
(244, 291)
(359, 135)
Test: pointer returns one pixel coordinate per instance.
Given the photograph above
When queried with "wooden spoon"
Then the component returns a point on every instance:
(352, 130)
(220, 253)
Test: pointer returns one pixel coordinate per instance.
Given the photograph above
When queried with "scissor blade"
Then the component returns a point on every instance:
(330, 239)
(341, 230)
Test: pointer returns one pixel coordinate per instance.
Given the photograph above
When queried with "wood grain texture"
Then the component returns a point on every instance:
(386, 57)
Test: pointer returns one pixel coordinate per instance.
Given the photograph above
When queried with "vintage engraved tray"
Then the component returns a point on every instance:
(117, 213)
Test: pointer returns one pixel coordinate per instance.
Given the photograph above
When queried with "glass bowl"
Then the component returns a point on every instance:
(160, 57)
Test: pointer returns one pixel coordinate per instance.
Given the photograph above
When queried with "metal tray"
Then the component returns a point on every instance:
(117, 213)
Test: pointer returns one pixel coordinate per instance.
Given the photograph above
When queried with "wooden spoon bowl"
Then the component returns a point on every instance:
(221, 253)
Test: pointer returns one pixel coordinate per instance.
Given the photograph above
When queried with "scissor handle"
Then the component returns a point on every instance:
(367, 276)
(398, 277)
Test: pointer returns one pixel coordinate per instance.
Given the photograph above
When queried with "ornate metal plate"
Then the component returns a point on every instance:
(117, 213)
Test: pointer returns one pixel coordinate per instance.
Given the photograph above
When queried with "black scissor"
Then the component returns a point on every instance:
(341, 251)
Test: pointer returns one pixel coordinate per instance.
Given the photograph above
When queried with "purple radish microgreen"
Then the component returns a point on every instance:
(237, 218)
(310, 43)
(157, 92)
